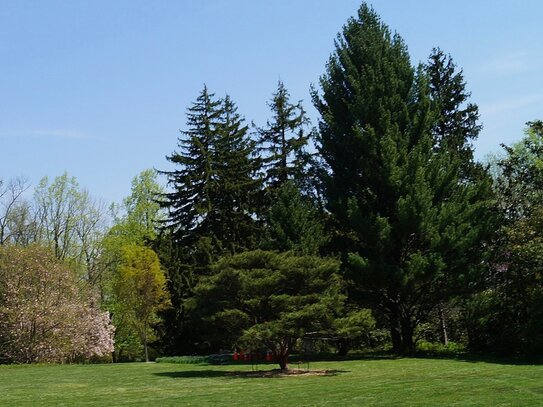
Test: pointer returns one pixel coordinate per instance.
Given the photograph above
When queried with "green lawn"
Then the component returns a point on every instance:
(386, 382)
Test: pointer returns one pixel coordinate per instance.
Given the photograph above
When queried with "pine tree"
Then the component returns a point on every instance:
(458, 124)
(366, 94)
(261, 300)
(399, 204)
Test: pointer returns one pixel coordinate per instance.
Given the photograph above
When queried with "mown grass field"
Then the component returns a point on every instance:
(365, 382)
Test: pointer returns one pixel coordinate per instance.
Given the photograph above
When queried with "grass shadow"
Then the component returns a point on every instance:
(197, 374)
(520, 360)
(253, 374)
(523, 360)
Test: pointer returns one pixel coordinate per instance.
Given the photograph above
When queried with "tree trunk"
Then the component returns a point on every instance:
(395, 332)
(282, 359)
(145, 346)
(408, 345)
(443, 325)
(342, 347)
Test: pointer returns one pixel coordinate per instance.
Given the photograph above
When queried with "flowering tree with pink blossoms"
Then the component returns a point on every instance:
(46, 313)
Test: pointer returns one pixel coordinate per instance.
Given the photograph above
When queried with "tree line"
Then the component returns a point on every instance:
(376, 227)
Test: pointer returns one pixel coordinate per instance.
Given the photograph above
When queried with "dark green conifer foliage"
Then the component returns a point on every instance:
(282, 142)
(214, 189)
(366, 94)
(458, 124)
(191, 202)
(456, 127)
(399, 203)
(211, 207)
(291, 189)
(237, 182)
(293, 223)
(262, 300)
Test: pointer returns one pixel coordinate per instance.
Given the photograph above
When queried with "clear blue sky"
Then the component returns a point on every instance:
(100, 88)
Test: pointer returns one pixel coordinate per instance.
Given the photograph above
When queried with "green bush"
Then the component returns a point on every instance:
(440, 349)
(184, 360)
(216, 359)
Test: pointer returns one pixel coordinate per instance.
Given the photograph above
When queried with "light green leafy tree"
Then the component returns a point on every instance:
(135, 224)
(140, 292)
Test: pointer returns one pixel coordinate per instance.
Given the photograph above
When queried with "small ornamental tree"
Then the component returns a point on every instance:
(268, 300)
(46, 313)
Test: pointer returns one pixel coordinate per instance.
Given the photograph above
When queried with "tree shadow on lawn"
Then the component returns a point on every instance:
(504, 360)
(253, 374)
(520, 360)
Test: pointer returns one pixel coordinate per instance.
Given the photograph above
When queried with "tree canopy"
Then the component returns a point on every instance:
(404, 213)
(46, 313)
(265, 300)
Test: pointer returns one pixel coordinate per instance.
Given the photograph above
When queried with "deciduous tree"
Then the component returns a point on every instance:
(140, 291)
(46, 313)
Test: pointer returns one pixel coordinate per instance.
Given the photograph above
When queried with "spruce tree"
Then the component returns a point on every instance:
(190, 204)
(210, 208)
(212, 202)
(237, 181)
(293, 223)
(291, 189)
(283, 141)
(400, 206)
(454, 131)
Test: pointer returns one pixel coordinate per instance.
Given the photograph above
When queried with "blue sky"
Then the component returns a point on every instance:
(99, 88)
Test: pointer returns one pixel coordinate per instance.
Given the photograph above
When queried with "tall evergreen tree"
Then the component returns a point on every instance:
(399, 204)
(293, 223)
(291, 188)
(211, 206)
(237, 181)
(457, 125)
(454, 130)
(284, 139)
(190, 203)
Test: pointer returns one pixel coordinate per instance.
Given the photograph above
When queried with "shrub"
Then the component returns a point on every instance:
(439, 348)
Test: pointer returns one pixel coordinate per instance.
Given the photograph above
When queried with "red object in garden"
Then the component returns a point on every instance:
(268, 357)
(235, 355)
